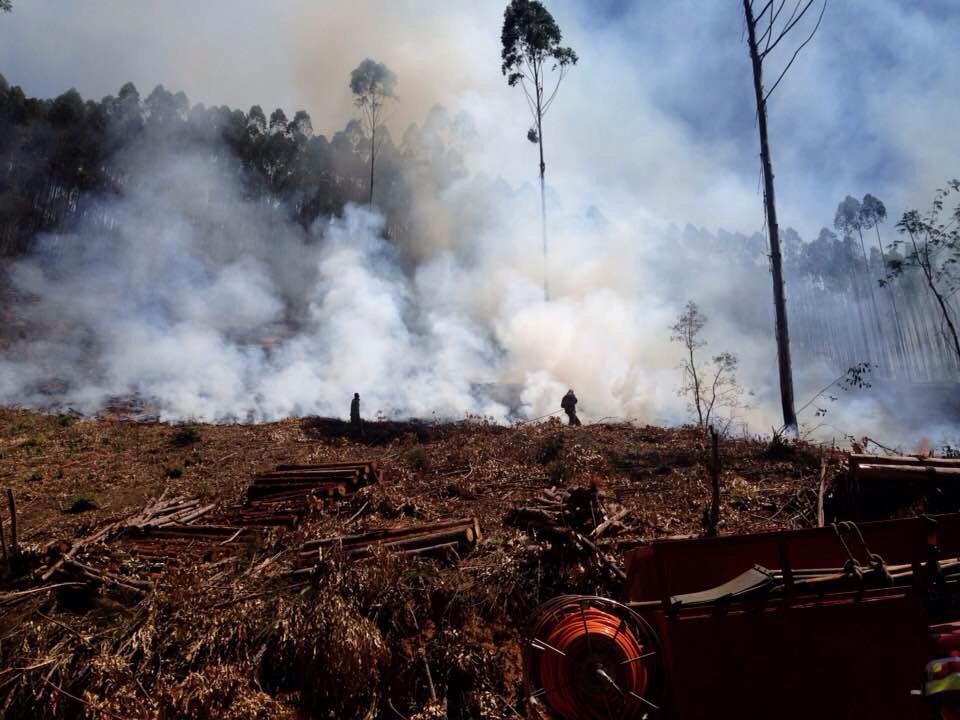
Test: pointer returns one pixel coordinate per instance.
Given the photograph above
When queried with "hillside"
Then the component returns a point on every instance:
(380, 637)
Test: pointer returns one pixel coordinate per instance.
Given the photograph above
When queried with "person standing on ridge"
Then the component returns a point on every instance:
(569, 405)
(355, 422)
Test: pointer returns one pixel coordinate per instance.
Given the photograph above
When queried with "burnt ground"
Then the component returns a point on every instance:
(375, 638)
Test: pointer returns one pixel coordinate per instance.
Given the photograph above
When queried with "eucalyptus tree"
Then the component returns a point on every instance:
(372, 84)
(932, 245)
(533, 59)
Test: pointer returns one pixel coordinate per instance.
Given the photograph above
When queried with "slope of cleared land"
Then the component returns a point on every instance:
(387, 637)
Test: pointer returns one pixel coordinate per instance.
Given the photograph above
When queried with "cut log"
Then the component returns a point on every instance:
(397, 533)
(905, 472)
(350, 476)
(292, 489)
(859, 459)
(108, 576)
(463, 537)
(361, 553)
(609, 524)
(323, 466)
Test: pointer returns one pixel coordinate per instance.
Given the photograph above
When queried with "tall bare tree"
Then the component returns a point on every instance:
(531, 51)
(372, 84)
(765, 31)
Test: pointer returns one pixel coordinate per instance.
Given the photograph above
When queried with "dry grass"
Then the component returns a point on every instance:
(356, 639)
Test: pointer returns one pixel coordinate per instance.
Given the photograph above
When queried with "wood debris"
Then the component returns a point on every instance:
(184, 530)
(441, 538)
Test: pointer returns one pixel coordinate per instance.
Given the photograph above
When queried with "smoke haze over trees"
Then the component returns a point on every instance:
(219, 221)
(253, 214)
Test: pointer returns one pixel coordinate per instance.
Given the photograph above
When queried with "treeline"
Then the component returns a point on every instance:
(59, 157)
(841, 309)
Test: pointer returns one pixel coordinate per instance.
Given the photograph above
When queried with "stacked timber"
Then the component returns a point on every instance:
(879, 487)
(282, 496)
(901, 467)
(182, 531)
(440, 538)
(174, 544)
(297, 482)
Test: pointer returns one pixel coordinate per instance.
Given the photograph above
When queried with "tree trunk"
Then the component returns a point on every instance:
(776, 261)
(696, 388)
(944, 309)
(543, 194)
(373, 151)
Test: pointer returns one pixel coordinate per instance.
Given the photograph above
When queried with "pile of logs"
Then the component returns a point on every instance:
(450, 537)
(300, 482)
(178, 530)
(877, 467)
(281, 497)
(173, 545)
(878, 487)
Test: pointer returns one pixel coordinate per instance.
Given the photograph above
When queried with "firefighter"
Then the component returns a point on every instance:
(569, 406)
(356, 425)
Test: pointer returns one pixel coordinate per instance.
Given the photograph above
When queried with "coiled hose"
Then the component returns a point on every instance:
(592, 659)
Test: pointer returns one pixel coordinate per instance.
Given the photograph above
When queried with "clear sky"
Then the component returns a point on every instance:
(658, 113)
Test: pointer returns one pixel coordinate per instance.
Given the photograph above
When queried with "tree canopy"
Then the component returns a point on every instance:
(530, 37)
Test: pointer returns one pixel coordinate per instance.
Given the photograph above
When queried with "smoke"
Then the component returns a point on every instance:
(217, 307)
(210, 305)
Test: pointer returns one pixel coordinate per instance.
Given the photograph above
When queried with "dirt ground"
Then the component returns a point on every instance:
(385, 637)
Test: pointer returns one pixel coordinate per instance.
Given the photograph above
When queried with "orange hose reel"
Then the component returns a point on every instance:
(589, 658)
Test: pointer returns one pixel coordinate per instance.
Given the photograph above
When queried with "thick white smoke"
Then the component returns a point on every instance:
(217, 308)
(213, 306)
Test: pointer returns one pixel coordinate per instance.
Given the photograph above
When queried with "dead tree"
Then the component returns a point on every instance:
(764, 33)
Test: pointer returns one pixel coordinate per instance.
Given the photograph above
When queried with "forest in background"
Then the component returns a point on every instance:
(60, 157)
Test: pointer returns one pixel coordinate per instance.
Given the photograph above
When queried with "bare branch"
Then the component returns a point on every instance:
(530, 103)
(786, 30)
(760, 14)
(556, 87)
(779, 9)
(768, 33)
(797, 52)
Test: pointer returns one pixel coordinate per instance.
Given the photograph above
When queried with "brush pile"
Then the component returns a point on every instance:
(182, 590)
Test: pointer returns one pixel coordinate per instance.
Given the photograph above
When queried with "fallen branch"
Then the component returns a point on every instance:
(358, 512)
(14, 596)
(609, 524)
